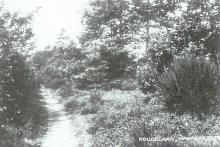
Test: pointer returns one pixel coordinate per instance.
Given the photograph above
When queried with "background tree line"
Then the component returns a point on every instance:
(177, 37)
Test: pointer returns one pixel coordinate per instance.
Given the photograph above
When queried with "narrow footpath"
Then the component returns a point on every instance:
(62, 129)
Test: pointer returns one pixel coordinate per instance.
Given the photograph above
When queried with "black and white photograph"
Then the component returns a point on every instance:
(109, 73)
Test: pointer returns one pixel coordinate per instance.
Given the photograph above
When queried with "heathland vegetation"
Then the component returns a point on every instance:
(142, 69)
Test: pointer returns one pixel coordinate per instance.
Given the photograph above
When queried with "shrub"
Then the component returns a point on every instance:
(94, 103)
(89, 109)
(72, 106)
(120, 83)
(56, 83)
(16, 89)
(129, 84)
(191, 86)
(114, 84)
(67, 90)
(41, 57)
(10, 136)
(109, 127)
(91, 78)
(147, 78)
(95, 97)
(116, 62)
(124, 123)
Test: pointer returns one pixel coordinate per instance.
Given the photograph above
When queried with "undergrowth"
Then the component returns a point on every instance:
(125, 123)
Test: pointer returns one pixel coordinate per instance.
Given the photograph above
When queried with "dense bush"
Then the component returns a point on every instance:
(41, 58)
(20, 104)
(16, 89)
(10, 137)
(191, 86)
(106, 70)
(90, 78)
(116, 63)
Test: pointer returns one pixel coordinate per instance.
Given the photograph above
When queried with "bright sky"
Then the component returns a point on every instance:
(53, 16)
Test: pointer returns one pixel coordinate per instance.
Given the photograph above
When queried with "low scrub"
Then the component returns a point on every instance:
(67, 90)
(14, 137)
(125, 123)
(94, 103)
(72, 106)
(129, 85)
(56, 83)
(35, 126)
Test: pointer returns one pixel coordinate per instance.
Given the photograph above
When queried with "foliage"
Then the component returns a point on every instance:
(124, 123)
(37, 116)
(55, 83)
(147, 78)
(115, 30)
(16, 32)
(94, 103)
(199, 25)
(72, 106)
(129, 85)
(19, 103)
(58, 64)
(110, 20)
(66, 90)
(82, 70)
(159, 55)
(110, 26)
(15, 77)
(115, 62)
(102, 70)
(91, 75)
(10, 138)
(16, 84)
(191, 86)
(40, 58)
(182, 24)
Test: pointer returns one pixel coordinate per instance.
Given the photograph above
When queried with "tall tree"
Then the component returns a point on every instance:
(198, 26)
(110, 26)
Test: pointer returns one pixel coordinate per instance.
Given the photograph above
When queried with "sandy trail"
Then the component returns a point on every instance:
(63, 130)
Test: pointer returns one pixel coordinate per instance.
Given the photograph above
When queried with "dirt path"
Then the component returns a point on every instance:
(63, 131)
